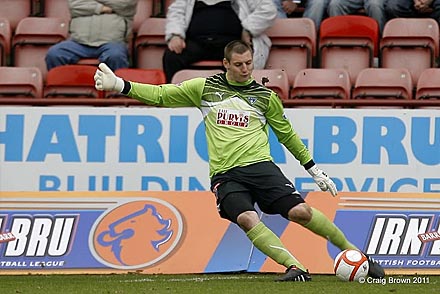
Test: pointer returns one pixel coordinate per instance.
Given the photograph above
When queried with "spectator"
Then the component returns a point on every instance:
(373, 8)
(199, 30)
(413, 8)
(98, 29)
(313, 9)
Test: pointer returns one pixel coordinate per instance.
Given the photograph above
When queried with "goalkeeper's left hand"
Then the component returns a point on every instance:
(322, 180)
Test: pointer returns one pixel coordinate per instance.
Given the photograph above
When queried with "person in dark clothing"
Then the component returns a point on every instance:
(199, 30)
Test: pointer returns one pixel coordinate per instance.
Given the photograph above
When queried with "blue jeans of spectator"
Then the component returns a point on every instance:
(373, 8)
(314, 9)
(405, 8)
(114, 54)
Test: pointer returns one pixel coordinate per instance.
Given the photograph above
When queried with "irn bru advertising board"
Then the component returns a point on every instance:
(181, 232)
(68, 159)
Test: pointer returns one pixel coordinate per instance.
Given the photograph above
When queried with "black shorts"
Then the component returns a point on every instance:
(238, 189)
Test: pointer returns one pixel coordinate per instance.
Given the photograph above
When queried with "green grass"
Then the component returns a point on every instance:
(204, 283)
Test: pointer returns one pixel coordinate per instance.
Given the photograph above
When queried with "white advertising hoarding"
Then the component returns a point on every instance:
(143, 148)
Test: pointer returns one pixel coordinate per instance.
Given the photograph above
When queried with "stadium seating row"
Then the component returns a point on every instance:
(69, 81)
(313, 84)
(24, 23)
(350, 42)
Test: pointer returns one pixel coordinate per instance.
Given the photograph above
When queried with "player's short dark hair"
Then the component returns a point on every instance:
(236, 46)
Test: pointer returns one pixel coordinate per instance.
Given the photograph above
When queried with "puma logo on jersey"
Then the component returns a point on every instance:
(219, 94)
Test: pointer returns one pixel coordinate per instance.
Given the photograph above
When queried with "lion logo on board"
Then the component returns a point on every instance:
(137, 234)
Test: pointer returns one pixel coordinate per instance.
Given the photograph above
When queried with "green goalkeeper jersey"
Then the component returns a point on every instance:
(237, 117)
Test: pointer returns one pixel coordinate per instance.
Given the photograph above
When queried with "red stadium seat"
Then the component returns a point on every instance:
(383, 83)
(139, 75)
(150, 44)
(21, 82)
(428, 85)
(15, 11)
(144, 10)
(411, 43)
(293, 45)
(32, 39)
(275, 79)
(349, 42)
(186, 74)
(71, 81)
(321, 83)
(5, 40)
(56, 8)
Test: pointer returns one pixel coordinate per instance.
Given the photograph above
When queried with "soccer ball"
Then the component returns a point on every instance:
(351, 265)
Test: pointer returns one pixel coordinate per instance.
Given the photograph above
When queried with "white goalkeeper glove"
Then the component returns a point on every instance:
(106, 80)
(322, 180)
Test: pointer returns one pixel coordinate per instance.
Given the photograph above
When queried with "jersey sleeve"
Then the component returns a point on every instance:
(284, 131)
(185, 94)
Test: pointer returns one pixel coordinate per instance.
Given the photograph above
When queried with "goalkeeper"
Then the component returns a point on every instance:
(237, 113)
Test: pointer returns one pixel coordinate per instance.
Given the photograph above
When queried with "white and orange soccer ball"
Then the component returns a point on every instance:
(351, 265)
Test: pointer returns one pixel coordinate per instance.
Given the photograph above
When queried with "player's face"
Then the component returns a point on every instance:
(240, 67)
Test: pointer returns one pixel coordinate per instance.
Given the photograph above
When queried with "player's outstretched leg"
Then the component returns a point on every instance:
(269, 243)
(322, 226)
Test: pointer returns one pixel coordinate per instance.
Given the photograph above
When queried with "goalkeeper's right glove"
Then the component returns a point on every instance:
(106, 80)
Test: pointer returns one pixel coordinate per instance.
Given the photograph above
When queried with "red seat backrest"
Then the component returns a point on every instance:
(5, 40)
(350, 27)
(15, 10)
(72, 81)
(21, 81)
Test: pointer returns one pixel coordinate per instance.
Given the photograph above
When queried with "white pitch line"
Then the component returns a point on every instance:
(188, 279)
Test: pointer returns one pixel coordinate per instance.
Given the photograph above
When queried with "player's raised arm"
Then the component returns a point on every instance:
(186, 94)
